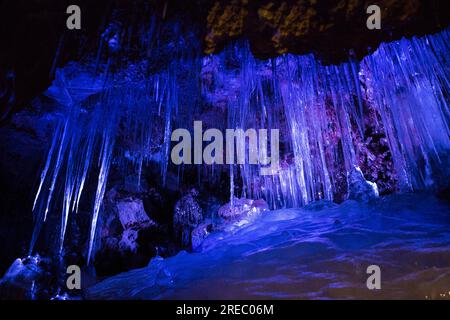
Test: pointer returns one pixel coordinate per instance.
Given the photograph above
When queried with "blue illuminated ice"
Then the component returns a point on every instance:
(320, 251)
(322, 107)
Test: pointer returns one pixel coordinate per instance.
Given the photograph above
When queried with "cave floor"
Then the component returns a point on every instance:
(320, 251)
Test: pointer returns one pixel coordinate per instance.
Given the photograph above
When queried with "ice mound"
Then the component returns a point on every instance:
(319, 251)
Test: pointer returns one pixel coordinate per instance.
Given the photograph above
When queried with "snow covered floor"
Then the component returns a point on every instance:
(321, 251)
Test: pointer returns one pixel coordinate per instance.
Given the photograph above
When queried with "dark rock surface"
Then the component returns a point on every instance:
(23, 144)
(187, 216)
(329, 29)
(36, 39)
(129, 237)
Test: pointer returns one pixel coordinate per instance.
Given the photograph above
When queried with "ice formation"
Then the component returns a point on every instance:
(320, 251)
(319, 110)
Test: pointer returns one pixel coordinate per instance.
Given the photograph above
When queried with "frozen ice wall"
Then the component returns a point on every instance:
(323, 113)
(400, 92)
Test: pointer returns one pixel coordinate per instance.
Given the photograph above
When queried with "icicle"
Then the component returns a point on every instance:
(232, 186)
(59, 160)
(56, 135)
(101, 187)
(68, 193)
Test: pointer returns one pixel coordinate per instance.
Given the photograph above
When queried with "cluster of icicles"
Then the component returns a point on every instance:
(406, 80)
